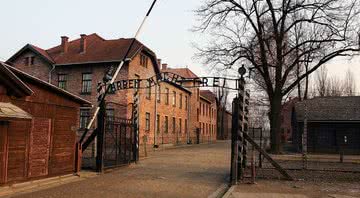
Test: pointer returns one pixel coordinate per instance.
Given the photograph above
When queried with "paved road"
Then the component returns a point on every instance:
(195, 171)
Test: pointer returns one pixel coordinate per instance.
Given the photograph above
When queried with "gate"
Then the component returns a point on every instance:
(119, 142)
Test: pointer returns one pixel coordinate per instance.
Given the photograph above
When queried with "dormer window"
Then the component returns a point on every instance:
(143, 60)
(30, 60)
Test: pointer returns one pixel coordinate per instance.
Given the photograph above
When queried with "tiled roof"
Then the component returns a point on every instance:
(209, 95)
(42, 52)
(97, 50)
(183, 72)
(329, 109)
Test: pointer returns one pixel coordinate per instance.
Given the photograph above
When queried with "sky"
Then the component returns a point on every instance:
(167, 31)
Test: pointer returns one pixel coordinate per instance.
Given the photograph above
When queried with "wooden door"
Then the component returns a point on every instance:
(39, 147)
(18, 144)
(3, 151)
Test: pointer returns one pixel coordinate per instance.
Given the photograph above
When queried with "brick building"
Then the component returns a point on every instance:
(286, 119)
(77, 66)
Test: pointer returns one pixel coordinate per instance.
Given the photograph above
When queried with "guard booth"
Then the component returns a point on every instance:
(38, 124)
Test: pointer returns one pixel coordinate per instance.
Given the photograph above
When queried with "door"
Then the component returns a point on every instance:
(3, 153)
(18, 144)
(39, 147)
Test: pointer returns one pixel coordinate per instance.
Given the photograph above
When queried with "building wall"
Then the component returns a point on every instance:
(286, 116)
(40, 69)
(208, 120)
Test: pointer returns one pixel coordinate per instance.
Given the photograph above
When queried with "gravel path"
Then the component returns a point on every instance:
(195, 171)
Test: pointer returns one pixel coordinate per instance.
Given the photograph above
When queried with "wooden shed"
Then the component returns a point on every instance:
(38, 124)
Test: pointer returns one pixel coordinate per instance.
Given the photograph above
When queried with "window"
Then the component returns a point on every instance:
(180, 125)
(32, 60)
(173, 125)
(181, 98)
(158, 94)
(198, 115)
(186, 102)
(186, 125)
(166, 124)
(143, 60)
(147, 123)
(203, 127)
(198, 94)
(174, 99)
(148, 91)
(62, 81)
(200, 107)
(86, 83)
(84, 118)
(167, 96)
(158, 123)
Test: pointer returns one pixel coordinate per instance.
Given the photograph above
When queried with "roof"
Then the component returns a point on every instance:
(37, 50)
(22, 76)
(209, 95)
(329, 109)
(98, 50)
(10, 111)
(16, 86)
(183, 72)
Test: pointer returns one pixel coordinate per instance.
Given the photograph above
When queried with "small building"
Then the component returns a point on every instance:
(286, 115)
(333, 124)
(38, 124)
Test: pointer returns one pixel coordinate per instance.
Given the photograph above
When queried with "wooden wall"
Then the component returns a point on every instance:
(43, 146)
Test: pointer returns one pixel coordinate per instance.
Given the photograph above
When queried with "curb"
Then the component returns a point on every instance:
(219, 193)
(229, 192)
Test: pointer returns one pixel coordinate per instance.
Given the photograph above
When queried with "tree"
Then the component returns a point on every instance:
(221, 103)
(322, 82)
(265, 35)
(349, 86)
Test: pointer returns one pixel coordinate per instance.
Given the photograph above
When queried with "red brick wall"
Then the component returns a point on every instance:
(208, 119)
(40, 69)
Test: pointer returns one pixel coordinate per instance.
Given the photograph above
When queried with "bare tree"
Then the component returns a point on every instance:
(261, 33)
(349, 84)
(221, 103)
(334, 87)
(322, 82)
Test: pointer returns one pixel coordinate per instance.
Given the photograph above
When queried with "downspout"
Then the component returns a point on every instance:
(155, 116)
(188, 120)
(50, 73)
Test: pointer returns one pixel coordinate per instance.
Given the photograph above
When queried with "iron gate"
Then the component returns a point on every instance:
(119, 142)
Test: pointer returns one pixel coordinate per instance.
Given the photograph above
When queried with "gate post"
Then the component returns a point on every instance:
(234, 142)
(135, 115)
(100, 137)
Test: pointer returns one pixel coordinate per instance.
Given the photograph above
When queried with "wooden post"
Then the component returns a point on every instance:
(100, 138)
(234, 143)
(267, 156)
(253, 173)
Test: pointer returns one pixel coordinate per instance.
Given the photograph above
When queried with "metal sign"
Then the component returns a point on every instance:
(169, 77)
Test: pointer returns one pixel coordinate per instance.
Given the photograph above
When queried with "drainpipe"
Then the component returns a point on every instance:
(155, 116)
(50, 73)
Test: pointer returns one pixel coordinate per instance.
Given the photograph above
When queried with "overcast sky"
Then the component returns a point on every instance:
(167, 32)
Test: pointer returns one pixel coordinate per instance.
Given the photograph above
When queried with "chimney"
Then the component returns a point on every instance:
(164, 66)
(159, 63)
(83, 43)
(64, 44)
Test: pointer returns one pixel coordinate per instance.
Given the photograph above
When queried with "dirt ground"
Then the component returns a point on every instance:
(312, 184)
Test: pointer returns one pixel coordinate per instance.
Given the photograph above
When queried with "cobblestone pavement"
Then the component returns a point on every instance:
(195, 171)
